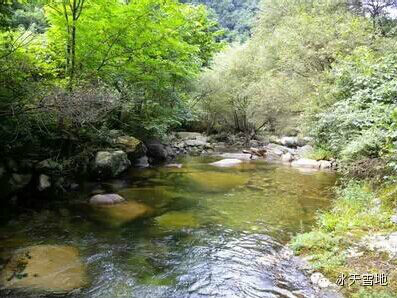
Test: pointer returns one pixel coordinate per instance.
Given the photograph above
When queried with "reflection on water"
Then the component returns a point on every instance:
(210, 232)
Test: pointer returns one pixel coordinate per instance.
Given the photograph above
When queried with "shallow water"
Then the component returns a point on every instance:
(209, 232)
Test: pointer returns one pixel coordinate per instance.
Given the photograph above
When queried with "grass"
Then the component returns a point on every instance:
(320, 154)
(358, 211)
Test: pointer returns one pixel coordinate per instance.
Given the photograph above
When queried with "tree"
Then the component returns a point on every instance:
(71, 11)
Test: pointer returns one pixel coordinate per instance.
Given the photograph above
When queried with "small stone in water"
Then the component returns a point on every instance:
(108, 199)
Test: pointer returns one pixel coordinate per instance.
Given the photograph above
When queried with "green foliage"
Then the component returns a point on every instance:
(356, 105)
(236, 16)
(145, 50)
(365, 293)
(356, 212)
(74, 74)
(356, 208)
(270, 79)
(320, 154)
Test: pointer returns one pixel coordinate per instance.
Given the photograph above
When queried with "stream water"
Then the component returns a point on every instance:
(210, 232)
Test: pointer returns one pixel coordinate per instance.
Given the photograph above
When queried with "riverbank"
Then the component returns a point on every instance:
(50, 176)
(355, 240)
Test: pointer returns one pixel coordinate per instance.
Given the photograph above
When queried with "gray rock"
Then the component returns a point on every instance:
(106, 199)
(325, 165)
(12, 183)
(227, 163)
(320, 280)
(110, 164)
(291, 142)
(157, 150)
(305, 151)
(384, 243)
(287, 157)
(74, 186)
(44, 182)
(195, 143)
(174, 165)
(189, 135)
(48, 166)
(276, 149)
(306, 163)
(142, 162)
(19, 181)
(241, 156)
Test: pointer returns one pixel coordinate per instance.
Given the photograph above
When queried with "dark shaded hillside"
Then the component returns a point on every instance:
(236, 16)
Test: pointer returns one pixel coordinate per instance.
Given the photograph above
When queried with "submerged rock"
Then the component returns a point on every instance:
(226, 163)
(215, 181)
(106, 199)
(45, 268)
(124, 212)
(110, 164)
(177, 220)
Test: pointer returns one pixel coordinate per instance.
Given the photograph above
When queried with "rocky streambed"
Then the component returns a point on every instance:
(193, 228)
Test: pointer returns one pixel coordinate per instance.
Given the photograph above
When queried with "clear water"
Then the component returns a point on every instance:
(211, 232)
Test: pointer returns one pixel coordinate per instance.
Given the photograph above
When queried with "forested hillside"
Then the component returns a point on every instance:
(237, 17)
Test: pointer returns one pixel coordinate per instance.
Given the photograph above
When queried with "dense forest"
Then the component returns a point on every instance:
(76, 73)
(237, 17)
(73, 70)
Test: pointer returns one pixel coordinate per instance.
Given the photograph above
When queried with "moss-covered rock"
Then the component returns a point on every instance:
(177, 220)
(109, 164)
(134, 148)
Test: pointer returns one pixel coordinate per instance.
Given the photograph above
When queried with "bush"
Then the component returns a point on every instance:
(356, 119)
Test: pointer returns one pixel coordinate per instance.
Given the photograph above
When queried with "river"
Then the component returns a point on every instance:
(211, 232)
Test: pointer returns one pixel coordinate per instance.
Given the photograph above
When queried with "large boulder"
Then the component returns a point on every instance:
(142, 162)
(110, 164)
(13, 183)
(287, 157)
(325, 165)
(157, 151)
(134, 148)
(306, 163)
(291, 142)
(305, 151)
(44, 268)
(275, 151)
(226, 163)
